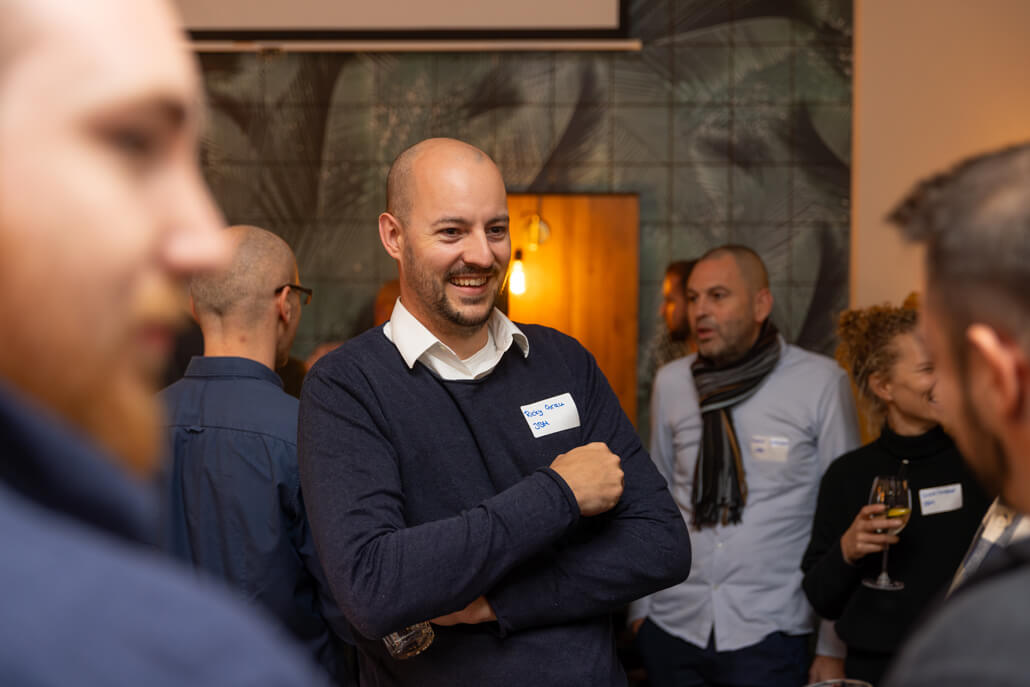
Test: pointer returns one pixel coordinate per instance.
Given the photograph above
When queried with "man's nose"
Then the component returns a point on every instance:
(477, 250)
(195, 240)
(694, 309)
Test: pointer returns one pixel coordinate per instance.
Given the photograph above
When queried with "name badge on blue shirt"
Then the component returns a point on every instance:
(555, 414)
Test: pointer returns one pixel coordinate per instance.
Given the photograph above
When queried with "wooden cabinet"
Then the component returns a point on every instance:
(583, 280)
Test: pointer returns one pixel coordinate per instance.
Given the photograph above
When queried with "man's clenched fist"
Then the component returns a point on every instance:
(594, 475)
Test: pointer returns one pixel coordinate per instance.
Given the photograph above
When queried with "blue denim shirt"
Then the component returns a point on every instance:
(85, 602)
(234, 507)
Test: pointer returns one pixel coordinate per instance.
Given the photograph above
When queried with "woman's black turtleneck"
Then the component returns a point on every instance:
(931, 546)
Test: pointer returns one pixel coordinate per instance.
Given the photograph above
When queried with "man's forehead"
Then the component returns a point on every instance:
(720, 270)
(459, 189)
(109, 49)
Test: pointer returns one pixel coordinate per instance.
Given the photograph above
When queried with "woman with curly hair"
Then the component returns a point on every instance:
(894, 379)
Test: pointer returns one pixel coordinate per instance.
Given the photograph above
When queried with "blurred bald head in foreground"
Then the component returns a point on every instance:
(102, 215)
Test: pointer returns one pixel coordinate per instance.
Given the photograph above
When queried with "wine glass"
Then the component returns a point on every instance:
(892, 492)
(411, 641)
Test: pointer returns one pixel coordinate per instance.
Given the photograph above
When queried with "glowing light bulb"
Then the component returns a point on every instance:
(517, 281)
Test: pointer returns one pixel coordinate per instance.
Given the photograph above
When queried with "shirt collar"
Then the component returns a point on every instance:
(412, 339)
(231, 366)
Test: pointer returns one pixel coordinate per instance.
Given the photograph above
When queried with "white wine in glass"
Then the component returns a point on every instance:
(892, 492)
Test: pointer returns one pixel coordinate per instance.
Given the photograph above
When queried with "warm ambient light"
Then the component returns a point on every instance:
(517, 281)
(537, 230)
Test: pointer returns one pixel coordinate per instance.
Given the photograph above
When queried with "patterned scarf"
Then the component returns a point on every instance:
(720, 490)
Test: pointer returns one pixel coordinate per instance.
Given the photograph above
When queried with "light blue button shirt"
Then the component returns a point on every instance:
(746, 578)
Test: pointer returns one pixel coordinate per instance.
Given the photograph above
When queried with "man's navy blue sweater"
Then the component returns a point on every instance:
(425, 494)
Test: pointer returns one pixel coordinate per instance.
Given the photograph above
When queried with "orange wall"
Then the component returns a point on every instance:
(934, 81)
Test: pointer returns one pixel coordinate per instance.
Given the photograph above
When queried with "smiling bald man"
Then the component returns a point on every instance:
(463, 469)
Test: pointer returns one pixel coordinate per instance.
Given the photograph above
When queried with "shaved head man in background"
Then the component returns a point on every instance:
(102, 212)
(743, 431)
(234, 502)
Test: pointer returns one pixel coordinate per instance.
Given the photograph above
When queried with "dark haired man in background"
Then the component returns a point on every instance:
(975, 224)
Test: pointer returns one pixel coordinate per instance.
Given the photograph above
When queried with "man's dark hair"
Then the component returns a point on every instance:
(680, 270)
(975, 222)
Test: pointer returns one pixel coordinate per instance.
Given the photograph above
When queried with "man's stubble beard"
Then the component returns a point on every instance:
(425, 285)
(115, 408)
(991, 464)
(731, 352)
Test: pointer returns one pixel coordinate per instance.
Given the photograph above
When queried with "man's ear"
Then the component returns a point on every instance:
(763, 304)
(391, 234)
(284, 306)
(997, 375)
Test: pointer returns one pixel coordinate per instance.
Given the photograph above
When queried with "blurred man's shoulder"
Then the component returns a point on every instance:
(86, 607)
(978, 637)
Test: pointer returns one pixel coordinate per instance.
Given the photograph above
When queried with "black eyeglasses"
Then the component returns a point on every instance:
(305, 292)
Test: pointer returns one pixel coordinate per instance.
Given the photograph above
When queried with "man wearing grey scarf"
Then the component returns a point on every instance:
(743, 432)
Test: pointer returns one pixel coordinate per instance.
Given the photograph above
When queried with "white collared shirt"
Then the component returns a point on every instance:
(417, 344)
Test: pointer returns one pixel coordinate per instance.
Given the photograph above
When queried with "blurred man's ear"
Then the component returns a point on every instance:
(998, 376)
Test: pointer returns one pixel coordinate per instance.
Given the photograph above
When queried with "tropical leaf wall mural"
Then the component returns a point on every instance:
(732, 124)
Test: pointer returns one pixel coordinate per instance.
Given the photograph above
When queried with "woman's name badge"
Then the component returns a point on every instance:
(933, 500)
(555, 414)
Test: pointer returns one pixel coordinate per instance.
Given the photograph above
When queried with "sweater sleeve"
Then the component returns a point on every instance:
(637, 548)
(384, 574)
(829, 580)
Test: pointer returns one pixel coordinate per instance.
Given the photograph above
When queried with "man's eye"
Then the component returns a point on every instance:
(498, 231)
(135, 142)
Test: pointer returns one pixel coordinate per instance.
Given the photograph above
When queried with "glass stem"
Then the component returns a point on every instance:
(883, 568)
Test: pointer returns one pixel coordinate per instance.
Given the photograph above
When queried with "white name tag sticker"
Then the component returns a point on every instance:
(769, 448)
(555, 414)
(943, 499)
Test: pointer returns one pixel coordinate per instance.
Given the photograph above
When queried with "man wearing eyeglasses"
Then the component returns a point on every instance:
(234, 507)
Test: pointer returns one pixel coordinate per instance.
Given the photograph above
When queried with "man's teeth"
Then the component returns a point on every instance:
(469, 281)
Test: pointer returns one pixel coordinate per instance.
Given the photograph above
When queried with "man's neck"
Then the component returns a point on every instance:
(464, 341)
(1016, 490)
(465, 344)
(222, 342)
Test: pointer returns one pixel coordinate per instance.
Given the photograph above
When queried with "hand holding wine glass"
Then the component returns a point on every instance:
(867, 533)
(894, 494)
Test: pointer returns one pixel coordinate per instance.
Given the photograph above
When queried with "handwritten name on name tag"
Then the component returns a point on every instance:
(775, 449)
(940, 499)
(555, 414)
